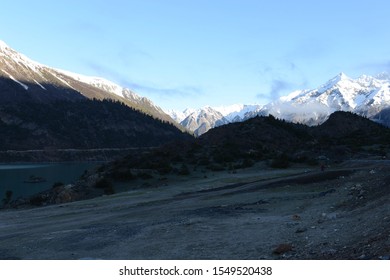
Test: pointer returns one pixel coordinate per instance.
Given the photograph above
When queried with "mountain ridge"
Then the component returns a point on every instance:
(45, 109)
(366, 96)
(23, 70)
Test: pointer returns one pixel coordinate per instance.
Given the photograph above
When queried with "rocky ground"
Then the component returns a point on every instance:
(257, 213)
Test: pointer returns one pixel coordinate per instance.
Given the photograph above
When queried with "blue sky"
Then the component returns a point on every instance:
(192, 53)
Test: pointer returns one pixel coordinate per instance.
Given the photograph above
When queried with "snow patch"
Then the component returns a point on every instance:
(98, 82)
(15, 80)
(39, 84)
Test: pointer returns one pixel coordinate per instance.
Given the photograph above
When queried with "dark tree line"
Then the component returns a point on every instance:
(81, 124)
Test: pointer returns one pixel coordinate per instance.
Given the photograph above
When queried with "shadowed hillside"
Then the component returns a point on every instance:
(276, 142)
(50, 120)
(263, 141)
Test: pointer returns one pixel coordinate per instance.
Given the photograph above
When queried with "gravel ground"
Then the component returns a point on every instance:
(341, 213)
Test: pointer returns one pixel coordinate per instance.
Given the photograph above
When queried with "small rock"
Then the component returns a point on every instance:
(296, 217)
(329, 251)
(292, 224)
(283, 248)
(300, 230)
(332, 216)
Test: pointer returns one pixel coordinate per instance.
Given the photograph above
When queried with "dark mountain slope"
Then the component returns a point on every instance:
(383, 117)
(26, 80)
(257, 133)
(13, 93)
(78, 123)
(267, 139)
(350, 129)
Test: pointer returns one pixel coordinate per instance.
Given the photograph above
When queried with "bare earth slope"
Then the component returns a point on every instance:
(342, 213)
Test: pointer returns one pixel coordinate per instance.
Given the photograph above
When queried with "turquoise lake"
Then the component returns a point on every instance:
(13, 176)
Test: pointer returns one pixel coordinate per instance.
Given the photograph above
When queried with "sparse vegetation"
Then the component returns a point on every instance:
(184, 170)
(144, 175)
(37, 200)
(57, 184)
(281, 161)
(8, 197)
(122, 174)
(105, 185)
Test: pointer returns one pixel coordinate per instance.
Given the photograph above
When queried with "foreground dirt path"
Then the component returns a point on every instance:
(338, 214)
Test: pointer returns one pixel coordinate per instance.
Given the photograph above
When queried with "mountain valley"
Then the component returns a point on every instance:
(303, 177)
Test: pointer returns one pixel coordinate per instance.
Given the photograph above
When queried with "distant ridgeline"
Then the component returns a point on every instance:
(79, 124)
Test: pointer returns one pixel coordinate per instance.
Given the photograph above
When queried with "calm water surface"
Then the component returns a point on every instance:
(13, 176)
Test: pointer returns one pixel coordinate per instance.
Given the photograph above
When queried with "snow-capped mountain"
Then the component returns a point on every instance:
(237, 112)
(46, 109)
(201, 120)
(33, 81)
(179, 116)
(366, 96)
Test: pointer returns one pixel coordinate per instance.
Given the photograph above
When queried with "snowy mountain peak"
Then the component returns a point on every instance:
(365, 95)
(3, 45)
(40, 82)
(383, 76)
(201, 120)
(342, 76)
(339, 80)
(7, 53)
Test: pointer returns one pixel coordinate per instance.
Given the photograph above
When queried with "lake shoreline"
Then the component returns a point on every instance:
(14, 177)
(65, 155)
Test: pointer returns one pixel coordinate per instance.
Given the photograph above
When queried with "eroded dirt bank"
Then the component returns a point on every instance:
(342, 213)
